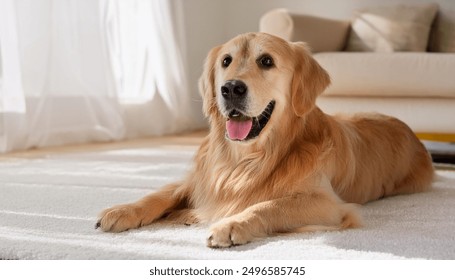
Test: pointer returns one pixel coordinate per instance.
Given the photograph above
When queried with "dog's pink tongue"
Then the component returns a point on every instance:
(238, 130)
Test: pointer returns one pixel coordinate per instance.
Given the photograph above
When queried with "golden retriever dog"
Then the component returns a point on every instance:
(273, 162)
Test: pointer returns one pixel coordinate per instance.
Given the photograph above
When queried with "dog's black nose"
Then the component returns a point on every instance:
(234, 89)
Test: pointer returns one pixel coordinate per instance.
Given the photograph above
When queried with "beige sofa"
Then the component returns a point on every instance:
(416, 84)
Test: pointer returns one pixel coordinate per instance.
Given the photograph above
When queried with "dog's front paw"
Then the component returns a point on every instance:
(120, 218)
(227, 233)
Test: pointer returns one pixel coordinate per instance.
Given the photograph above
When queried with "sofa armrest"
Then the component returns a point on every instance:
(321, 34)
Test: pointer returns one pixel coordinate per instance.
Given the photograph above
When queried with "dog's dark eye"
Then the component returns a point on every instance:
(265, 61)
(226, 61)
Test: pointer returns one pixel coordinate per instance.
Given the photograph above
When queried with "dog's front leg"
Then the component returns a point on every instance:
(143, 212)
(285, 214)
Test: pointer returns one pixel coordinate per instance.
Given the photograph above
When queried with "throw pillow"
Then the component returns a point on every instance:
(442, 38)
(392, 28)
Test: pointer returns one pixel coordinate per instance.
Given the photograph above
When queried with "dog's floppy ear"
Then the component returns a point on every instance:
(207, 82)
(309, 80)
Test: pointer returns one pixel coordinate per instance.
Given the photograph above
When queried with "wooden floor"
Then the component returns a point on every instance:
(187, 139)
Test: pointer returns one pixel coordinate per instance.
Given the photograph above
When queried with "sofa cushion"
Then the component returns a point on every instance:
(423, 115)
(321, 34)
(403, 74)
(392, 28)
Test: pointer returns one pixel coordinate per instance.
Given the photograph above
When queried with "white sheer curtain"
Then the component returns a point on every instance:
(75, 71)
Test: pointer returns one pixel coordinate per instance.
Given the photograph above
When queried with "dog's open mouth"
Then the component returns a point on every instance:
(241, 128)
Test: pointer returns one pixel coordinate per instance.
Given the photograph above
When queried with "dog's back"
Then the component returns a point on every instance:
(377, 156)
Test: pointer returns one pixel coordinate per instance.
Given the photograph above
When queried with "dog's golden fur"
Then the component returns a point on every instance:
(305, 171)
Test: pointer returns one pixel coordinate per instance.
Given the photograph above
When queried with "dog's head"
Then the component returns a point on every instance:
(256, 81)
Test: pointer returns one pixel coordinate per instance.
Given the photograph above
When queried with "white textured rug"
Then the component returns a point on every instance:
(49, 206)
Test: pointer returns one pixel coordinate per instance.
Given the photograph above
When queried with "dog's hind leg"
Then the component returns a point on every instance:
(420, 176)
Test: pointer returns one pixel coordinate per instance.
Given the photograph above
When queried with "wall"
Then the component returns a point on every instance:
(204, 28)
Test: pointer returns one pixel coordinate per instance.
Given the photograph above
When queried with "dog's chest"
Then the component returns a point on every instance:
(225, 191)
